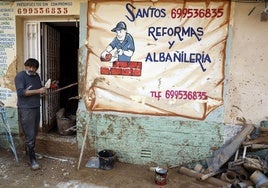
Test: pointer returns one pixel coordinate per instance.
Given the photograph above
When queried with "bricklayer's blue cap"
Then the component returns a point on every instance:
(119, 26)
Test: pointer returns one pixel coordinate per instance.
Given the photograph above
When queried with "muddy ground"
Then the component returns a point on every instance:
(62, 172)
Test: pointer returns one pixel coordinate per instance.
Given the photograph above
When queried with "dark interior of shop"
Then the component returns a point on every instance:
(69, 44)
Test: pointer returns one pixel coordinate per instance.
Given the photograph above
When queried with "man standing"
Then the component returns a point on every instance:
(29, 87)
(123, 43)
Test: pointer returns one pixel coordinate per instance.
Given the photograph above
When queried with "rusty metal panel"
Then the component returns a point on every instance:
(50, 70)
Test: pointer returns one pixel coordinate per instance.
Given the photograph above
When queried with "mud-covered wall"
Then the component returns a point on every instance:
(246, 97)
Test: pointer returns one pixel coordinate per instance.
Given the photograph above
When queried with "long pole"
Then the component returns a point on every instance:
(57, 90)
(83, 147)
(197, 175)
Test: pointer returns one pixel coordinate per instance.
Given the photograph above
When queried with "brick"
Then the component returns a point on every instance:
(139, 65)
(116, 64)
(135, 64)
(123, 64)
(132, 64)
(136, 72)
(105, 70)
(126, 71)
(116, 71)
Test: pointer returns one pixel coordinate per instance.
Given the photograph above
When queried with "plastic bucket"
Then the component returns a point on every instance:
(107, 159)
(160, 176)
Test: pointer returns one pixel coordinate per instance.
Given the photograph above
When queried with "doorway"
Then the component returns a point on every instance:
(59, 55)
(55, 45)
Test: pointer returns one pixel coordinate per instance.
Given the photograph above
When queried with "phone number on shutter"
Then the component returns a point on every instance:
(43, 10)
(186, 95)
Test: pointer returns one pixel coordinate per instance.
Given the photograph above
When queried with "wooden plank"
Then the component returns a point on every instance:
(223, 154)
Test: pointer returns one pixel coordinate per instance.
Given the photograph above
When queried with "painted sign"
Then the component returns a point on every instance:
(157, 58)
(8, 54)
(47, 8)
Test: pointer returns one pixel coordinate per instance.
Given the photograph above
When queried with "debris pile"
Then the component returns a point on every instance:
(240, 163)
(65, 124)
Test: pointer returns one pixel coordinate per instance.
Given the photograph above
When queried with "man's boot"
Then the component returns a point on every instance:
(34, 164)
(26, 151)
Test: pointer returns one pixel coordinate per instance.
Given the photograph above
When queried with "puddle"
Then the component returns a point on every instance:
(77, 184)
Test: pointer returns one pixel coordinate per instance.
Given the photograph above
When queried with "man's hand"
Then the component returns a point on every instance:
(39, 91)
(106, 56)
(103, 54)
(120, 52)
(42, 90)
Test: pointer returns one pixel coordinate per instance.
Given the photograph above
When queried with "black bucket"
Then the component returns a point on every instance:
(107, 159)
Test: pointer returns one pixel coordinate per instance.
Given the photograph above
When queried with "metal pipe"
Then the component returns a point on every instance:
(259, 179)
(50, 157)
(230, 177)
(242, 174)
(199, 168)
(245, 184)
(211, 180)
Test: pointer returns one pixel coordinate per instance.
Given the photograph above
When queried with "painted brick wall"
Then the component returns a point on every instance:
(123, 68)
